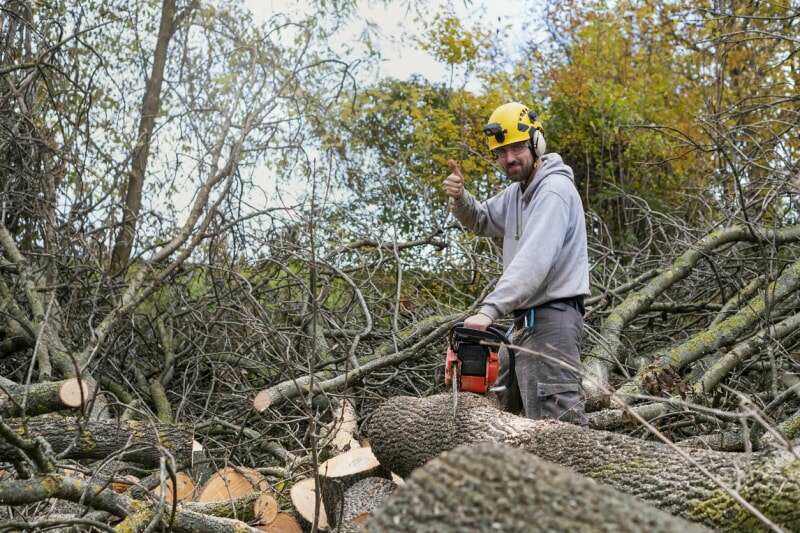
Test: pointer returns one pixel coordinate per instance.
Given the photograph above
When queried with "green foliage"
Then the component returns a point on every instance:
(396, 141)
(621, 113)
(446, 40)
(643, 98)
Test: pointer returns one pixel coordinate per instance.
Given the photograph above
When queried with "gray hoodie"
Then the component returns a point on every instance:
(544, 238)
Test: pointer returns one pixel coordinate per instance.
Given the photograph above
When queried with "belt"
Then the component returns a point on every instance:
(576, 302)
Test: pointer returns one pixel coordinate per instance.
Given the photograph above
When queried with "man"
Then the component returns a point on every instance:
(545, 264)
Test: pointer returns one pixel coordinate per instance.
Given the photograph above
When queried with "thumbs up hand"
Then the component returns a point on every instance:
(454, 183)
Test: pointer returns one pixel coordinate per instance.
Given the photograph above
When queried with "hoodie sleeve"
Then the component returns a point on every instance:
(542, 240)
(484, 218)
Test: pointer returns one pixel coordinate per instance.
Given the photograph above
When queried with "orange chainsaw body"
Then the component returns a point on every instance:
(474, 365)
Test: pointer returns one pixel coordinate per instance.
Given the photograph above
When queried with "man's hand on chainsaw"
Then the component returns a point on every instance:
(479, 321)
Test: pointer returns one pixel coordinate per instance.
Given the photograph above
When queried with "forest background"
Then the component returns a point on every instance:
(144, 252)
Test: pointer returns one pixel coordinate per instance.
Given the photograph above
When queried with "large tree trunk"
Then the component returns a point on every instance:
(491, 487)
(406, 432)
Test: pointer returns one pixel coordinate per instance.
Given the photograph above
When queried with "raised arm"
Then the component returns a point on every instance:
(484, 218)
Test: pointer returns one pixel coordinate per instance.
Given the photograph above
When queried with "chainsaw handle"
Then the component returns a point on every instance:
(492, 333)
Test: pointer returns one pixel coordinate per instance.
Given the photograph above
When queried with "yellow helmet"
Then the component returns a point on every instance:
(511, 123)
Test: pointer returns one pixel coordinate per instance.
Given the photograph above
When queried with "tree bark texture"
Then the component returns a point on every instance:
(493, 487)
(406, 432)
(82, 439)
(365, 496)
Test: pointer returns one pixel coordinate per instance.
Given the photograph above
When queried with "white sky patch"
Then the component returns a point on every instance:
(397, 27)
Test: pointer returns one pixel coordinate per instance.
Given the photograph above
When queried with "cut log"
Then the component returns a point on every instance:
(262, 400)
(42, 398)
(356, 462)
(364, 497)
(338, 473)
(137, 516)
(185, 488)
(73, 393)
(97, 439)
(407, 432)
(304, 496)
(185, 521)
(283, 523)
(341, 431)
(255, 506)
(232, 482)
(492, 487)
(265, 509)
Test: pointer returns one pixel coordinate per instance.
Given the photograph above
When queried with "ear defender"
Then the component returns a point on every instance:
(538, 144)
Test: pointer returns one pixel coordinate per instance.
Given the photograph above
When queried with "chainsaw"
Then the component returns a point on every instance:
(472, 363)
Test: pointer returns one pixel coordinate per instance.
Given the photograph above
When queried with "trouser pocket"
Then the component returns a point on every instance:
(561, 401)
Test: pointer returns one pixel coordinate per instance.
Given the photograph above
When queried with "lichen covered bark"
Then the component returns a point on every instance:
(722, 334)
(606, 352)
(491, 487)
(81, 439)
(407, 432)
(183, 521)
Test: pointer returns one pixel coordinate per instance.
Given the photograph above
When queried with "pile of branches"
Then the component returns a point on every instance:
(258, 362)
(250, 341)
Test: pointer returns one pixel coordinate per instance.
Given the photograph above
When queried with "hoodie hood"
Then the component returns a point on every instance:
(549, 164)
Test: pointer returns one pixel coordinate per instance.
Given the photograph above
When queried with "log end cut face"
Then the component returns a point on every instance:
(493, 487)
(355, 461)
(304, 499)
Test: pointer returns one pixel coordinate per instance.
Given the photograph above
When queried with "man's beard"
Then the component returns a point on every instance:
(522, 174)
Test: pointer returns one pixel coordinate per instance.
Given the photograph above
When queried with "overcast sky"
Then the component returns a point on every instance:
(397, 27)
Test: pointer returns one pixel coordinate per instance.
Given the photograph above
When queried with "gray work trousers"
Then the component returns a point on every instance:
(548, 366)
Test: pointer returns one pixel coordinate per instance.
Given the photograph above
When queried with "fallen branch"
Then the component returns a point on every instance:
(408, 345)
(96, 439)
(42, 398)
(724, 333)
(605, 353)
